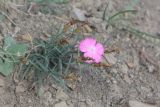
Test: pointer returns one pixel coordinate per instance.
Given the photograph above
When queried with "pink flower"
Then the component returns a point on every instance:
(92, 49)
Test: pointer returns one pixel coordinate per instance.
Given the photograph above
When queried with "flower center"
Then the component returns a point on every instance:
(92, 49)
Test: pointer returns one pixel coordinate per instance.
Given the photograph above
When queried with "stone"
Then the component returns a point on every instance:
(70, 103)
(80, 14)
(61, 104)
(130, 65)
(134, 103)
(124, 68)
(61, 95)
(82, 104)
(48, 96)
(20, 89)
(151, 68)
(89, 103)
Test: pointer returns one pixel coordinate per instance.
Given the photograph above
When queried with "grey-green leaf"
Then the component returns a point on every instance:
(8, 41)
(6, 68)
(17, 49)
(14, 48)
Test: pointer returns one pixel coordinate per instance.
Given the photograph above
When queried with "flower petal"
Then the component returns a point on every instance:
(100, 49)
(86, 43)
(90, 41)
(97, 58)
(83, 48)
(89, 54)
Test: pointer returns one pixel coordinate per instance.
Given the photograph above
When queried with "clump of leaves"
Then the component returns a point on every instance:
(10, 53)
(49, 58)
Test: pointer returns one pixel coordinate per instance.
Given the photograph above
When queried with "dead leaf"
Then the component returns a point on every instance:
(26, 37)
(71, 86)
(87, 28)
(66, 27)
(77, 30)
(72, 77)
(45, 36)
(64, 41)
(106, 65)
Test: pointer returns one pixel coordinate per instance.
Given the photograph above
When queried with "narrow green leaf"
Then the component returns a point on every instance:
(111, 18)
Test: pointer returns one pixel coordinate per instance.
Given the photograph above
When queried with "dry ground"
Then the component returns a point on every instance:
(135, 74)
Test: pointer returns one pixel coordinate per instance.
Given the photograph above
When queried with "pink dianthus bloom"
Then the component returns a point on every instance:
(92, 49)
